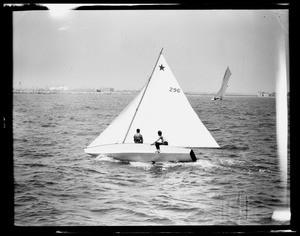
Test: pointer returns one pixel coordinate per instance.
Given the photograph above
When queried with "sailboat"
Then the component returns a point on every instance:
(160, 105)
(220, 94)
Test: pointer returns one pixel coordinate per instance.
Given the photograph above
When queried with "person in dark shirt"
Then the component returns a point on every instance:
(138, 138)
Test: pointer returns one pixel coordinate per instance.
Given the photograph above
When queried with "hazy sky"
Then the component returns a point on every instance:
(118, 48)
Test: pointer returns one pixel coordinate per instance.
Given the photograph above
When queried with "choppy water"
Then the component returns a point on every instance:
(56, 184)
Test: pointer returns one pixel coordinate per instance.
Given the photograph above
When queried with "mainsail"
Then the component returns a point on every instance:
(160, 105)
(224, 86)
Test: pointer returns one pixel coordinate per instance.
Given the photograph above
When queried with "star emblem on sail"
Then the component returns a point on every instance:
(160, 105)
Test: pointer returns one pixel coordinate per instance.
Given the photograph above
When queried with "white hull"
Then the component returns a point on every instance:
(143, 152)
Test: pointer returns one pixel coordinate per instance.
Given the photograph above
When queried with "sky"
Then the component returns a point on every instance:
(119, 48)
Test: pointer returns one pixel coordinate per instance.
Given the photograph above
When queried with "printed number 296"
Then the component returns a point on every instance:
(174, 90)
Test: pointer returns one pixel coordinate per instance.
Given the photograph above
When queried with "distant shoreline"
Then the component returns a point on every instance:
(90, 91)
(87, 91)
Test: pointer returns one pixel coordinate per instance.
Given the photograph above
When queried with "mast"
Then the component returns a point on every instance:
(136, 110)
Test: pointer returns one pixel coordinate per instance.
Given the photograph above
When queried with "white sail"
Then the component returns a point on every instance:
(161, 105)
(224, 86)
(116, 131)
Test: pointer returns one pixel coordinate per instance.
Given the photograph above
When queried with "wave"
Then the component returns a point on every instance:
(48, 125)
(28, 121)
(214, 129)
(142, 165)
(102, 157)
(235, 147)
(115, 212)
(22, 140)
(35, 165)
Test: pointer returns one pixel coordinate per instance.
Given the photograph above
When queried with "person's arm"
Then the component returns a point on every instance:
(157, 140)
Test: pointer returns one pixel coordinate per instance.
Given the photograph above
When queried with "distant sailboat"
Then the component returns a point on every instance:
(160, 105)
(220, 94)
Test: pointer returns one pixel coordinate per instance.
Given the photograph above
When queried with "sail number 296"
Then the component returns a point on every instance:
(174, 90)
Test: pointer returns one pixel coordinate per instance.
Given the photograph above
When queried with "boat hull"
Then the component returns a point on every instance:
(143, 153)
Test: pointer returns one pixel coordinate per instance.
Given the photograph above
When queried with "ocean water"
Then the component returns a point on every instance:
(57, 184)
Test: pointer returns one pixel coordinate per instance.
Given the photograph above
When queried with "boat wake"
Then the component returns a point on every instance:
(203, 164)
(102, 157)
(142, 165)
(200, 163)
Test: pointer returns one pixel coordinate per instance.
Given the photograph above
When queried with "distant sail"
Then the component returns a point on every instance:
(224, 86)
(160, 105)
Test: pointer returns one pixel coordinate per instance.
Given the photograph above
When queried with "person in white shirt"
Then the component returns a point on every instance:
(160, 141)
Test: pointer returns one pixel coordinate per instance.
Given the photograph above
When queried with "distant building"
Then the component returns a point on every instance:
(262, 94)
(265, 94)
(272, 94)
(58, 88)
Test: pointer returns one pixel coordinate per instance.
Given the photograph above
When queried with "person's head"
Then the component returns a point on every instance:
(159, 133)
(137, 130)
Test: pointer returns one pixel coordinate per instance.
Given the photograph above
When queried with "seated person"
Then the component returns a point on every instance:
(138, 138)
(163, 141)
